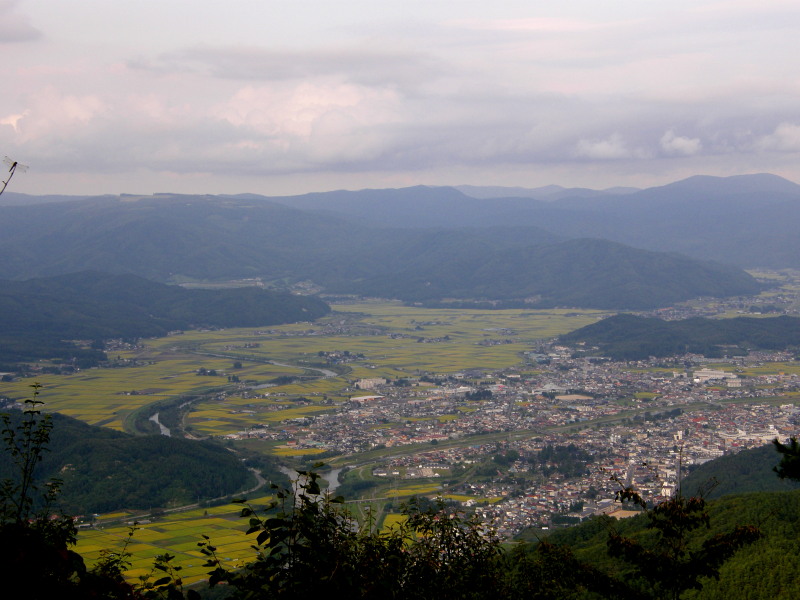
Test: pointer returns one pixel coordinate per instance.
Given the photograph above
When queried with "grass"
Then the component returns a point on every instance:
(419, 489)
(297, 451)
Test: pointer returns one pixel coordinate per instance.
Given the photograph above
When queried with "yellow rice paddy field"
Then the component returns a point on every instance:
(178, 534)
(395, 341)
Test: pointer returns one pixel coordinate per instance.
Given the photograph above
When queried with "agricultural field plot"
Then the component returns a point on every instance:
(178, 534)
(474, 324)
(230, 416)
(776, 368)
(393, 521)
(106, 396)
(418, 489)
(430, 340)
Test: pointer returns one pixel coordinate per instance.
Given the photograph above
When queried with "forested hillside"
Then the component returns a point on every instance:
(762, 570)
(628, 337)
(38, 317)
(103, 470)
(586, 273)
(745, 471)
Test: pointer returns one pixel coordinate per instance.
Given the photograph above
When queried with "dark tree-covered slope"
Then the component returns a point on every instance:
(37, 315)
(586, 273)
(765, 569)
(628, 337)
(104, 470)
(745, 471)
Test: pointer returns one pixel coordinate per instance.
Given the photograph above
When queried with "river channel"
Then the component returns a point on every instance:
(332, 477)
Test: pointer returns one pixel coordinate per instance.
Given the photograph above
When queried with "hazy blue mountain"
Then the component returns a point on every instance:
(17, 199)
(548, 192)
(748, 220)
(174, 238)
(414, 207)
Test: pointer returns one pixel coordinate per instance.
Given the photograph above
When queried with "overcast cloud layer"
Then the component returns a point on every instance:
(272, 97)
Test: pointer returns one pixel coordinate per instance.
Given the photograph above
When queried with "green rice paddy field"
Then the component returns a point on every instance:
(387, 334)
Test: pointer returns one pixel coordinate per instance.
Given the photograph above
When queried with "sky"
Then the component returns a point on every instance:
(144, 96)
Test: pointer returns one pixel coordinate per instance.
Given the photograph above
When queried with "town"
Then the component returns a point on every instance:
(642, 424)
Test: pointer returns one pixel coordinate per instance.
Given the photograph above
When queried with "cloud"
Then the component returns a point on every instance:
(611, 148)
(53, 114)
(537, 25)
(364, 64)
(785, 138)
(13, 26)
(13, 120)
(678, 145)
(314, 121)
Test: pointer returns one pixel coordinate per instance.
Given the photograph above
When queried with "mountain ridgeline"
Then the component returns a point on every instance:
(612, 250)
(746, 220)
(39, 317)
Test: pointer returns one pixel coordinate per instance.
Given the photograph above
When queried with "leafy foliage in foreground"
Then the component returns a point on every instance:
(35, 546)
(765, 569)
(628, 337)
(674, 562)
(312, 547)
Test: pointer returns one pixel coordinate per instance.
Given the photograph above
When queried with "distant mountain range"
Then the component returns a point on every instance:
(747, 220)
(576, 247)
(548, 192)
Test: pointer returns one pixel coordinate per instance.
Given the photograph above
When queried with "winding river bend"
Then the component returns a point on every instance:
(332, 477)
(164, 430)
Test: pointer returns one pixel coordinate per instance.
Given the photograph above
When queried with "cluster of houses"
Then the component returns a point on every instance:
(639, 421)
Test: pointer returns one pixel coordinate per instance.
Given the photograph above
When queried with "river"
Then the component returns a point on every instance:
(332, 477)
(164, 430)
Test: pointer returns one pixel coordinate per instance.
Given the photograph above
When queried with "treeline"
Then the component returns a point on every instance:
(570, 460)
(39, 317)
(628, 337)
